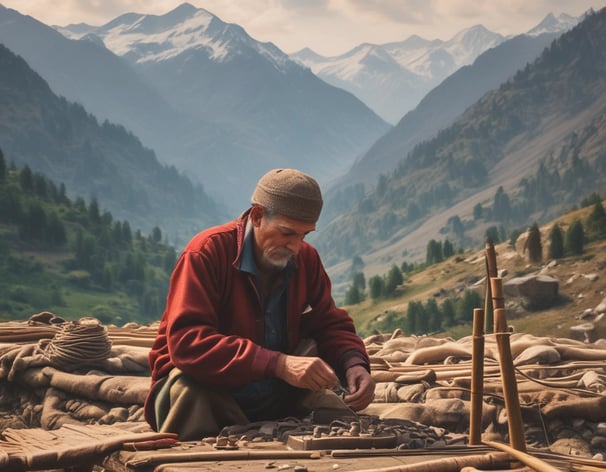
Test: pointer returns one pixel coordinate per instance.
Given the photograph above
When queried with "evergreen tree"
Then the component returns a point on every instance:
(33, 223)
(55, 232)
(359, 280)
(394, 278)
(94, 215)
(556, 242)
(433, 315)
(465, 305)
(353, 295)
(434, 252)
(575, 238)
(40, 186)
(375, 286)
(492, 235)
(533, 244)
(457, 226)
(501, 207)
(156, 235)
(448, 313)
(596, 222)
(127, 235)
(413, 314)
(357, 264)
(447, 249)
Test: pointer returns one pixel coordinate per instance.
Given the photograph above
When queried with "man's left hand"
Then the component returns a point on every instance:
(361, 388)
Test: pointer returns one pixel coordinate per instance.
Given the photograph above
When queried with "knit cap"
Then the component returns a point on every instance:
(290, 193)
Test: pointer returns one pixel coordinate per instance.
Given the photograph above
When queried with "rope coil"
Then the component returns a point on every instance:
(77, 343)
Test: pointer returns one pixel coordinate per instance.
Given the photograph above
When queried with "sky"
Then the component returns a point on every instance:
(329, 27)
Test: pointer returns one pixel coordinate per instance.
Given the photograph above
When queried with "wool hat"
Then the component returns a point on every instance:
(290, 193)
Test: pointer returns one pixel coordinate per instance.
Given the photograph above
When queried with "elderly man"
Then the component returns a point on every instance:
(243, 297)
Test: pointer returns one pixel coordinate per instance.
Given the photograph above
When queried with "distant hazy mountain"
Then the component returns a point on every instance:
(249, 107)
(392, 78)
(438, 109)
(523, 153)
(91, 75)
(61, 140)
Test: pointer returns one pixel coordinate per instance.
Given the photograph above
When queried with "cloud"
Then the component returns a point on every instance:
(330, 27)
(407, 12)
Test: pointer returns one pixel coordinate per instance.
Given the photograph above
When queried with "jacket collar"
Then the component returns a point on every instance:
(241, 223)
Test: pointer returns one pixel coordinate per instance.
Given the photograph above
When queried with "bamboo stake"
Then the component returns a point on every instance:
(451, 464)
(491, 271)
(531, 461)
(477, 378)
(508, 377)
(150, 458)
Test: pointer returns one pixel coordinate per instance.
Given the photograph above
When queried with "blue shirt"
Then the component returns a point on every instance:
(252, 396)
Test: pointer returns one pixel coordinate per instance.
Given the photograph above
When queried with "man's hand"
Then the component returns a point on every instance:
(361, 388)
(306, 372)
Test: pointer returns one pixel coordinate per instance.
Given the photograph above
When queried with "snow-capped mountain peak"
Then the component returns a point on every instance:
(144, 38)
(553, 24)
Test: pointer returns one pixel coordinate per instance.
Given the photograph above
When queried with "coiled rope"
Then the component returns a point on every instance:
(77, 343)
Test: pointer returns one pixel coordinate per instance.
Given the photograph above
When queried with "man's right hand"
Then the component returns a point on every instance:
(306, 372)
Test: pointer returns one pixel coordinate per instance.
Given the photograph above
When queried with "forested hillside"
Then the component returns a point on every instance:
(66, 143)
(523, 153)
(73, 258)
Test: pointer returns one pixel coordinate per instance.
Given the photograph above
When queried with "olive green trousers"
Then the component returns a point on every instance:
(193, 411)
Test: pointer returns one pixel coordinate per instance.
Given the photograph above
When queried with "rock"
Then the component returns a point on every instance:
(591, 277)
(540, 291)
(601, 308)
(583, 332)
(571, 447)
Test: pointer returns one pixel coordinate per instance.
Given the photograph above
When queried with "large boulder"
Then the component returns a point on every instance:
(537, 291)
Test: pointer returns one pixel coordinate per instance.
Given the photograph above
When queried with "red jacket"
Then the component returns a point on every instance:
(213, 325)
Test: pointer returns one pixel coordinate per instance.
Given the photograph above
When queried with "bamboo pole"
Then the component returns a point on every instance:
(491, 271)
(508, 376)
(477, 378)
(525, 458)
(451, 464)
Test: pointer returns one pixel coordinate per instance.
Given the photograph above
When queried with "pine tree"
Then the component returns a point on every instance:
(575, 238)
(359, 280)
(596, 222)
(394, 278)
(556, 242)
(447, 249)
(434, 252)
(533, 244)
(434, 316)
(448, 313)
(375, 286)
(353, 295)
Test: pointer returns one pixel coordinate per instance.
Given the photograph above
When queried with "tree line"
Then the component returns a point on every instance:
(99, 253)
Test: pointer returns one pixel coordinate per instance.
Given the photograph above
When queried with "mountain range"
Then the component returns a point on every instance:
(393, 78)
(523, 152)
(215, 104)
(203, 94)
(438, 109)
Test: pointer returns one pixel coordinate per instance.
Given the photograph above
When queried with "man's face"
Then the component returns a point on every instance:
(277, 238)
